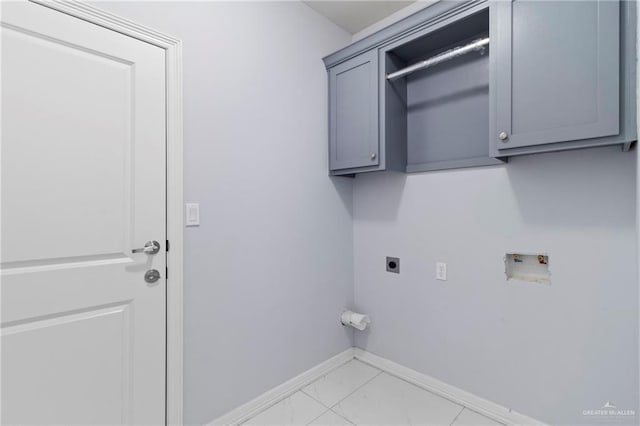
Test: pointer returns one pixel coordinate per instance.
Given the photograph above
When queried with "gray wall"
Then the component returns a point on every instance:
(276, 239)
(269, 269)
(548, 351)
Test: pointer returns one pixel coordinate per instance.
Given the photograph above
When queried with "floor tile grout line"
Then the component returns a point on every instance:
(298, 389)
(330, 410)
(380, 371)
(315, 399)
(418, 385)
(457, 415)
(356, 389)
(346, 396)
(321, 414)
(301, 389)
(359, 386)
(343, 417)
(462, 407)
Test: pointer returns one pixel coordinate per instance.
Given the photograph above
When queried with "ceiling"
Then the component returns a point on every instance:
(354, 16)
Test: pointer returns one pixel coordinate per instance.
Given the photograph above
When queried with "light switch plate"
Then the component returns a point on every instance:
(441, 271)
(192, 214)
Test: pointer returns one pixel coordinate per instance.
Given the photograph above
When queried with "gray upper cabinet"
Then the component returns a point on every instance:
(353, 113)
(553, 75)
(556, 74)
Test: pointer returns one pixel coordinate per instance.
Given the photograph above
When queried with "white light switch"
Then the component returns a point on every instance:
(192, 214)
(441, 271)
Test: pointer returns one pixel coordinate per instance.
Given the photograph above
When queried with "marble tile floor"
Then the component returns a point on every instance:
(359, 394)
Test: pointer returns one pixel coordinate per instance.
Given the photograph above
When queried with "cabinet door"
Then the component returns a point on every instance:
(353, 112)
(556, 71)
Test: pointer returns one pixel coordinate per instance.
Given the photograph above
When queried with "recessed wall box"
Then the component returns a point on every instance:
(528, 267)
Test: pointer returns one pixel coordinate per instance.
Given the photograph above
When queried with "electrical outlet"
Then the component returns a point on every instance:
(441, 271)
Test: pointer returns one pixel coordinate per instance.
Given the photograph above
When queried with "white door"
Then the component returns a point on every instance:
(83, 183)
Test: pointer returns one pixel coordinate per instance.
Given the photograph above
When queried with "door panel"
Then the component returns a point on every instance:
(85, 348)
(557, 71)
(75, 194)
(354, 113)
(83, 183)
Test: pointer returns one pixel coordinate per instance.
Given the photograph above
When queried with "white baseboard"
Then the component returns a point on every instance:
(280, 392)
(486, 408)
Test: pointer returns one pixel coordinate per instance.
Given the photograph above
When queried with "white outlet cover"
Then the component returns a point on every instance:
(441, 271)
(192, 214)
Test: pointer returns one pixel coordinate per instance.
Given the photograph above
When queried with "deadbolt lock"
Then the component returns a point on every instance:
(152, 275)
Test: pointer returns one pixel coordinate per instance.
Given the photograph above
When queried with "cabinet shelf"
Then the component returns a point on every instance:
(441, 114)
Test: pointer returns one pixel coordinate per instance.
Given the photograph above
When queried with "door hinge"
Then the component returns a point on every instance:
(167, 245)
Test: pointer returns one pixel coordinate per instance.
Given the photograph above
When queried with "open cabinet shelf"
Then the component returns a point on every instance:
(441, 113)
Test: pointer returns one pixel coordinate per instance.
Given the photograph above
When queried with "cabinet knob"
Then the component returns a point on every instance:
(373, 156)
(503, 136)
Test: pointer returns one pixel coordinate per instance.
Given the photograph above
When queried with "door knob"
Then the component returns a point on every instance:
(503, 136)
(152, 275)
(150, 247)
(373, 156)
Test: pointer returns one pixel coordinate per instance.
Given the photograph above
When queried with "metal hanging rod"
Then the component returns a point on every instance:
(445, 56)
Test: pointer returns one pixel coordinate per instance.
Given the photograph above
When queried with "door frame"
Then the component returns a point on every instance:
(174, 230)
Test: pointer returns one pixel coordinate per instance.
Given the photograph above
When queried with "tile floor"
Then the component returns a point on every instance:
(358, 394)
